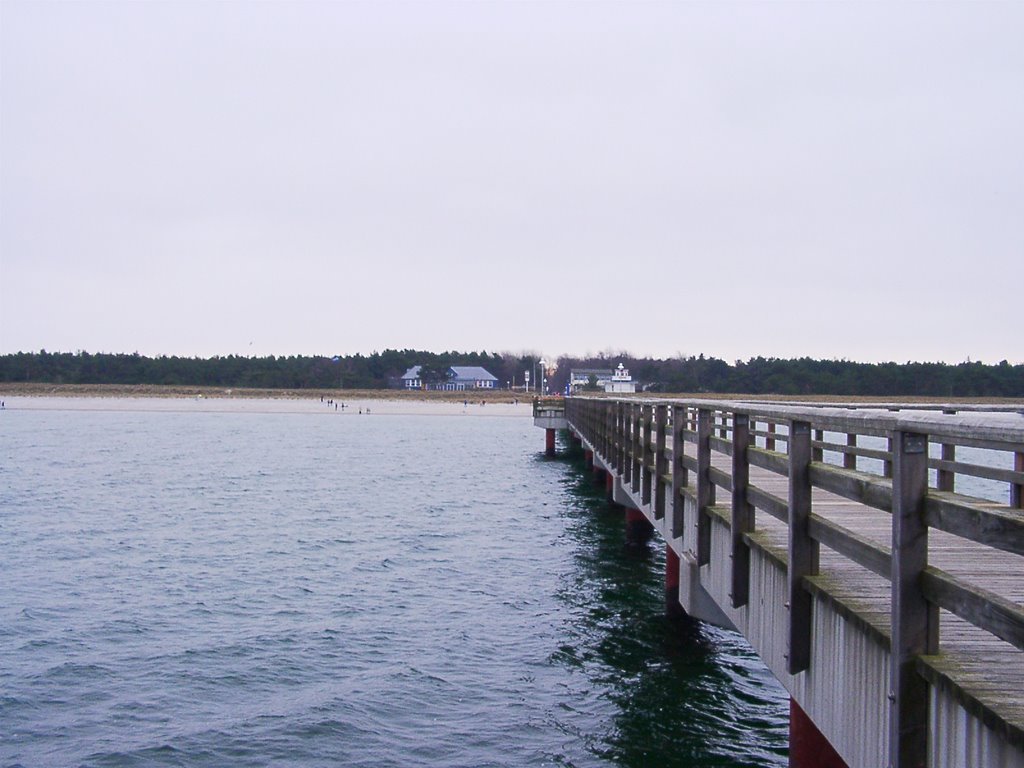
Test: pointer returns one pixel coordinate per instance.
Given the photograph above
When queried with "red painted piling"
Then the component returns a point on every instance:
(549, 442)
(672, 607)
(808, 748)
(638, 529)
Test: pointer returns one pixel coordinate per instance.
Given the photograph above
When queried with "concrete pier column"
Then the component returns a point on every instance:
(549, 442)
(588, 459)
(599, 475)
(609, 487)
(673, 609)
(808, 748)
(638, 529)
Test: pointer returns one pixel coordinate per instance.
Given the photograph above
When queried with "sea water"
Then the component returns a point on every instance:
(265, 584)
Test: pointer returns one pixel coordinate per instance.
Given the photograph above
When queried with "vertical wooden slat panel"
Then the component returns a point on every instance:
(803, 550)
(705, 490)
(742, 520)
(914, 620)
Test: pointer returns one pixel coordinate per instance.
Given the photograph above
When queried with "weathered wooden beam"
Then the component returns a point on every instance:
(850, 457)
(720, 479)
(945, 479)
(914, 620)
(1017, 489)
(976, 470)
(985, 609)
(802, 549)
(998, 528)
(661, 462)
(864, 487)
(742, 513)
(770, 460)
(768, 502)
(625, 439)
(720, 445)
(862, 551)
(678, 470)
(648, 453)
(705, 488)
(636, 439)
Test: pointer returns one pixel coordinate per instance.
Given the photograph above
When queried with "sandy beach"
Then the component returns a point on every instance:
(232, 400)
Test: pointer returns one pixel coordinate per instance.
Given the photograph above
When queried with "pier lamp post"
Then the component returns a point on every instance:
(541, 379)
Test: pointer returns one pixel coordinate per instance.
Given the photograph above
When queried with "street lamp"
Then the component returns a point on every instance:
(543, 365)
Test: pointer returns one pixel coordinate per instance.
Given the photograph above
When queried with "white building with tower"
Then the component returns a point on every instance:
(621, 381)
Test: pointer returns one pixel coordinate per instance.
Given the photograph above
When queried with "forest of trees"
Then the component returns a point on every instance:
(759, 375)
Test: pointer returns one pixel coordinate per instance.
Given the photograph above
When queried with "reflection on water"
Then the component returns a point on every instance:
(687, 694)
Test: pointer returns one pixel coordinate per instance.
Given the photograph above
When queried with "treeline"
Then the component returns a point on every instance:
(807, 376)
(375, 371)
(759, 375)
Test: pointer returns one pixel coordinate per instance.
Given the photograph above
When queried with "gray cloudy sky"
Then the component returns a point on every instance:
(841, 180)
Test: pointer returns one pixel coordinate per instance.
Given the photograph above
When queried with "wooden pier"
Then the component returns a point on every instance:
(870, 555)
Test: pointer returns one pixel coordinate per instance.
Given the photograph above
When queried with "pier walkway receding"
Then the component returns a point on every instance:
(872, 556)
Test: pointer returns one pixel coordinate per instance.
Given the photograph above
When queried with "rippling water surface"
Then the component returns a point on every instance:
(247, 588)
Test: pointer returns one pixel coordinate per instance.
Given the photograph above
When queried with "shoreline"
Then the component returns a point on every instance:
(498, 396)
(173, 391)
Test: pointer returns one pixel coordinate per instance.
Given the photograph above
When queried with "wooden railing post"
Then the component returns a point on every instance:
(818, 454)
(803, 550)
(769, 442)
(914, 619)
(945, 480)
(742, 520)
(647, 453)
(622, 435)
(678, 469)
(660, 462)
(609, 428)
(1017, 489)
(705, 490)
(634, 448)
(850, 459)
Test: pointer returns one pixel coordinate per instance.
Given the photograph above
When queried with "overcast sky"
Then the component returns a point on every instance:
(838, 180)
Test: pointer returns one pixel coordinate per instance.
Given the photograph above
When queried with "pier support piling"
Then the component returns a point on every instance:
(588, 460)
(549, 442)
(673, 608)
(808, 748)
(638, 528)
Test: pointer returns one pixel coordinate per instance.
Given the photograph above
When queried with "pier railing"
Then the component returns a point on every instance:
(915, 464)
